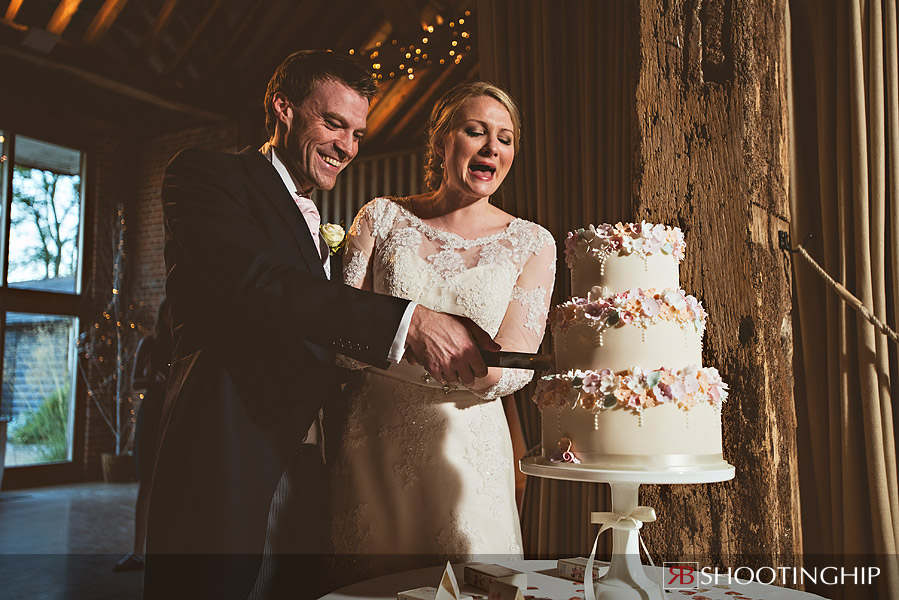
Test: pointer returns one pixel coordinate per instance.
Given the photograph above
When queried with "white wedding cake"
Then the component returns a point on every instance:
(629, 391)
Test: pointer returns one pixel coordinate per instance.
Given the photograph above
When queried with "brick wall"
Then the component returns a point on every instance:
(130, 172)
(147, 268)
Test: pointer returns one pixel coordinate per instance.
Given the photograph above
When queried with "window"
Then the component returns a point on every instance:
(42, 214)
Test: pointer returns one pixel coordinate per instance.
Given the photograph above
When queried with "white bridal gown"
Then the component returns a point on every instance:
(421, 471)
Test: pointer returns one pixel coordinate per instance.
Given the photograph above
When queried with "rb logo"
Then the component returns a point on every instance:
(680, 576)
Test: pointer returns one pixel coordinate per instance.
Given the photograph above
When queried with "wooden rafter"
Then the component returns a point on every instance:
(63, 14)
(299, 26)
(426, 99)
(104, 19)
(105, 82)
(13, 9)
(367, 23)
(194, 36)
(162, 19)
(381, 35)
(245, 22)
(394, 98)
(404, 14)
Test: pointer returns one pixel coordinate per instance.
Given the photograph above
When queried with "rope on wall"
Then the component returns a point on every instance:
(846, 295)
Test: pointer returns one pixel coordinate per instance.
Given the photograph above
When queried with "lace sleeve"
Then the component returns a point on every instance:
(524, 323)
(357, 262)
(510, 381)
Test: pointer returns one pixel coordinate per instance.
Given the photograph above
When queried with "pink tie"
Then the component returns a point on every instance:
(313, 220)
(310, 213)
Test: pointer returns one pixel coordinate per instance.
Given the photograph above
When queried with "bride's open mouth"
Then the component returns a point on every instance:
(484, 171)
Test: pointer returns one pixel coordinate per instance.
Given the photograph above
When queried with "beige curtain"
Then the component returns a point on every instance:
(846, 196)
(568, 67)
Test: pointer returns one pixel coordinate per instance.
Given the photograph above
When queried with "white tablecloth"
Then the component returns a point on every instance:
(543, 582)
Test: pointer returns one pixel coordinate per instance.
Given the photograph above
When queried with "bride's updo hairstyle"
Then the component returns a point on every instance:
(443, 119)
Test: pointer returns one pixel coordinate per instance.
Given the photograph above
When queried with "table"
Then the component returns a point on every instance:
(544, 583)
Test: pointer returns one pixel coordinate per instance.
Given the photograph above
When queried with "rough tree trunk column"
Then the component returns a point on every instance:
(710, 154)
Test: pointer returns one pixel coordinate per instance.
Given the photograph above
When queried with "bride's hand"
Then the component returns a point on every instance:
(447, 346)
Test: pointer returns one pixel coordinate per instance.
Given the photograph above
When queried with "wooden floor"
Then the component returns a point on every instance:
(61, 542)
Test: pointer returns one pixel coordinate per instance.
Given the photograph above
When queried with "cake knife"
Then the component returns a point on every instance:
(519, 360)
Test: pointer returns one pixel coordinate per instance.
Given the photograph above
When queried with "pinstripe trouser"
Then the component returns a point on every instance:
(297, 533)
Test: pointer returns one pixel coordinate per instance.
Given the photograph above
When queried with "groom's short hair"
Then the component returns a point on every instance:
(302, 71)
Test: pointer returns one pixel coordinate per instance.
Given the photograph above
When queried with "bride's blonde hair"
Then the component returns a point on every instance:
(443, 117)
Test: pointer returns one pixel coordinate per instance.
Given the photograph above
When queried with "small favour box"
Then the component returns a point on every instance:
(447, 590)
(500, 590)
(573, 568)
(482, 576)
(425, 593)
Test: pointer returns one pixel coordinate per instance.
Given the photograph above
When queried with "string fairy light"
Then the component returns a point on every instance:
(106, 351)
(439, 40)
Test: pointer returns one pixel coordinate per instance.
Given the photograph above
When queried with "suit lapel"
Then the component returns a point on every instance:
(270, 186)
(336, 267)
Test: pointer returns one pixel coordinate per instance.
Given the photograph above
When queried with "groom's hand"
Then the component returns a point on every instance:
(447, 346)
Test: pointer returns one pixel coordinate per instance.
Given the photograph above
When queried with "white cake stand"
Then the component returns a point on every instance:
(625, 579)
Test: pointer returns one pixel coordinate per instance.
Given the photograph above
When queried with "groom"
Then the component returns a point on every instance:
(256, 326)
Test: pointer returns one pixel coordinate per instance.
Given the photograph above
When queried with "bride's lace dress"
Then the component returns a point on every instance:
(422, 470)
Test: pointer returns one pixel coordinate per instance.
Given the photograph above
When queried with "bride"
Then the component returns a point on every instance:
(425, 465)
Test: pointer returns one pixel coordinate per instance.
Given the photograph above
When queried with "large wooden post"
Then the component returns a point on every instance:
(710, 153)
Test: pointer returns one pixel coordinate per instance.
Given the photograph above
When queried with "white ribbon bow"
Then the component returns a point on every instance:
(631, 521)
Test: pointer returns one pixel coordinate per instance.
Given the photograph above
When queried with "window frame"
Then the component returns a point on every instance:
(70, 304)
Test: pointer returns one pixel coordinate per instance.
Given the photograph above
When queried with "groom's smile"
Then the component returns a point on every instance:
(321, 135)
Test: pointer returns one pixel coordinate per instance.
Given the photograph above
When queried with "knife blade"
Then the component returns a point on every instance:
(519, 360)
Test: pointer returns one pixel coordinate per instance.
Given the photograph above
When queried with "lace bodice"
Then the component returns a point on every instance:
(502, 282)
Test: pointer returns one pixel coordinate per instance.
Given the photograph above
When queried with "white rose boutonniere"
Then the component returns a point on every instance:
(334, 236)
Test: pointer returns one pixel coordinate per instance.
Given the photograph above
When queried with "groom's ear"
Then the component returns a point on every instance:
(282, 108)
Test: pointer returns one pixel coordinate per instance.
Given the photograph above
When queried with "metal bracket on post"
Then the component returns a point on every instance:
(783, 241)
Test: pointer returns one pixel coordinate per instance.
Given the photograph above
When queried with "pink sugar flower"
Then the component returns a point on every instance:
(662, 393)
(677, 390)
(659, 232)
(593, 310)
(691, 384)
(591, 382)
(608, 382)
(637, 400)
(651, 307)
(651, 246)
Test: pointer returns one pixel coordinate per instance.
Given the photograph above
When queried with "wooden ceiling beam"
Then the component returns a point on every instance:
(425, 100)
(249, 18)
(104, 19)
(194, 36)
(359, 29)
(12, 9)
(63, 14)
(82, 63)
(294, 34)
(387, 105)
(379, 36)
(108, 84)
(162, 20)
(404, 15)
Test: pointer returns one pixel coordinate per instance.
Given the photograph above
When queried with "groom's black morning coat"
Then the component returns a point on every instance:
(255, 329)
